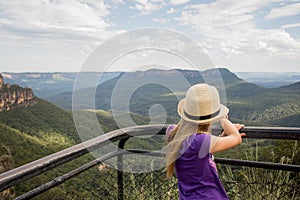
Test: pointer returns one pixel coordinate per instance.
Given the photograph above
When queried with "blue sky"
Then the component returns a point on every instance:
(54, 35)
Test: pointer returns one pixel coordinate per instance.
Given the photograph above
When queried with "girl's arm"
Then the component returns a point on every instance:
(230, 137)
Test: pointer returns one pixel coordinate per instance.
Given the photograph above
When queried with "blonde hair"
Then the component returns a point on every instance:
(178, 135)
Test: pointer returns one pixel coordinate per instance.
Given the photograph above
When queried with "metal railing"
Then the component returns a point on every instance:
(30, 170)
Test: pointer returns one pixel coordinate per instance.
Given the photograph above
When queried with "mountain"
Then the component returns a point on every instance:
(156, 87)
(153, 81)
(273, 107)
(249, 103)
(28, 133)
(48, 84)
(270, 79)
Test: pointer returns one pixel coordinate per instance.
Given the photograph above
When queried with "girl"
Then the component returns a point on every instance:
(190, 146)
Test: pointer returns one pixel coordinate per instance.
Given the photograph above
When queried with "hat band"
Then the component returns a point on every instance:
(203, 117)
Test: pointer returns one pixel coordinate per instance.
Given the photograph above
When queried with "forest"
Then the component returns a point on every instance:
(30, 133)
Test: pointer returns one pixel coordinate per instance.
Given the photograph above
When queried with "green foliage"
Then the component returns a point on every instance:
(34, 132)
(272, 107)
(43, 116)
(255, 183)
(26, 148)
(249, 103)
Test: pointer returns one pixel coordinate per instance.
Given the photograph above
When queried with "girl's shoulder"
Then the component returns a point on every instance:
(168, 131)
(202, 135)
(170, 128)
(200, 139)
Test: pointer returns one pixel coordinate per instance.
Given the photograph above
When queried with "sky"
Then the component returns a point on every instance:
(59, 35)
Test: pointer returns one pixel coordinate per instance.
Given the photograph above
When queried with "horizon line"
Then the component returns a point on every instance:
(125, 71)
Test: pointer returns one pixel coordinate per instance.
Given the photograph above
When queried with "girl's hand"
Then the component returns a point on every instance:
(239, 127)
(229, 138)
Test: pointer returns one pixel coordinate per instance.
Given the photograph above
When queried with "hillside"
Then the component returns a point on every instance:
(273, 107)
(30, 133)
(154, 83)
(163, 88)
(36, 131)
(26, 148)
(270, 79)
(43, 116)
(248, 102)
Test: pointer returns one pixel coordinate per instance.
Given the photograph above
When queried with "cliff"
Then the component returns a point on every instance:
(6, 164)
(14, 96)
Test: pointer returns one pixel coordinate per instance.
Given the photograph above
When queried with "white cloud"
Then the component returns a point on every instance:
(179, 2)
(171, 10)
(148, 6)
(233, 25)
(289, 10)
(228, 32)
(118, 2)
(287, 26)
(160, 20)
(44, 33)
(56, 32)
(55, 19)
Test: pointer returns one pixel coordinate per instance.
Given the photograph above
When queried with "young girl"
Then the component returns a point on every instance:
(190, 146)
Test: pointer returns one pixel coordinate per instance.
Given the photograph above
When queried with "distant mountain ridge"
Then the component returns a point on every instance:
(161, 80)
(270, 79)
(170, 77)
(249, 103)
(29, 133)
(48, 84)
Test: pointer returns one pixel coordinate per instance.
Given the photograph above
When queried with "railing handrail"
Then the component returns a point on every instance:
(37, 167)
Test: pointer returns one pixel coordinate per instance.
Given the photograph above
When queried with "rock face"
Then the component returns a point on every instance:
(14, 96)
(6, 163)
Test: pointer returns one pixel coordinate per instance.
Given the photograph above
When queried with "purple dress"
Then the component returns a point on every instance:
(196, 170)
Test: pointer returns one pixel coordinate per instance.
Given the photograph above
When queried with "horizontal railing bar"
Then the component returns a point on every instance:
(27, 171)
(257, 164)
(238, 162)
(37, 167)
(61, 179)
(287, 133)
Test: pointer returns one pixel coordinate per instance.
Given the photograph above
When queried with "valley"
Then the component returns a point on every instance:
(34, 131)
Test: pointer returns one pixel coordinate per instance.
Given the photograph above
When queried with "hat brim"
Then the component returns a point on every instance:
(180, 109)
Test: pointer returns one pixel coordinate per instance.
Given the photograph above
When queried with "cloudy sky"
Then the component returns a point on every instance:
(59, 35)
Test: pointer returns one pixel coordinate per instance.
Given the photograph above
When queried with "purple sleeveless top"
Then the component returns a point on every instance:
(196, 170)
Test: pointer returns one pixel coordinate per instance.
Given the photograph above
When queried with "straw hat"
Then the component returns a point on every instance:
(201, 105)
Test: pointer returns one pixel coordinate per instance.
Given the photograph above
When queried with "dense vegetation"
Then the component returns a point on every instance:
(249, 103)
(34, 132)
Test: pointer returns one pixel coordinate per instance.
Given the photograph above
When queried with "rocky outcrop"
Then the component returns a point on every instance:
(6, 164)
(14, 96)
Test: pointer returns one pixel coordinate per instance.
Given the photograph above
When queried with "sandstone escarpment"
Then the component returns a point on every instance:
(6, 164)
(14, 96)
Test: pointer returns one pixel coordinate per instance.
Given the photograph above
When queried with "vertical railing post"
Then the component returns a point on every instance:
(120, 174)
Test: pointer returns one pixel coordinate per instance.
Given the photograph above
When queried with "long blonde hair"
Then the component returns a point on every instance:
(178, 135)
